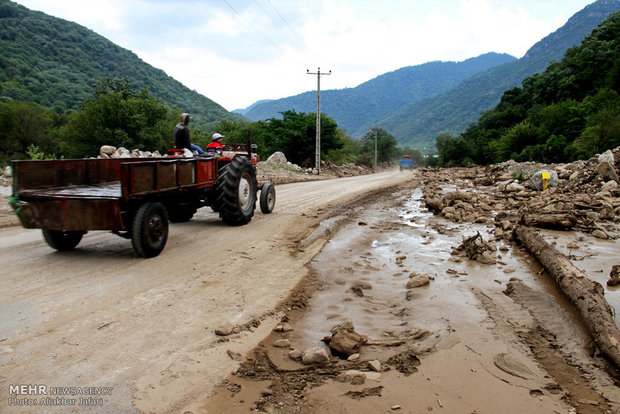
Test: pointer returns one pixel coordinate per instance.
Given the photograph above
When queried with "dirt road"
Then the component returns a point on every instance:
(140, 333)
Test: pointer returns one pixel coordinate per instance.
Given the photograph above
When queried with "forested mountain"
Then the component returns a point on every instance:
(54, 62)
(419, 123)
(570, 111)
(381, 96)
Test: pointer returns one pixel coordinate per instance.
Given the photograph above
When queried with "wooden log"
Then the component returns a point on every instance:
(550, 221)
(587, 295)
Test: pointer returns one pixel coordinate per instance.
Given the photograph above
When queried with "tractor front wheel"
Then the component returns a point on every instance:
(267, 198)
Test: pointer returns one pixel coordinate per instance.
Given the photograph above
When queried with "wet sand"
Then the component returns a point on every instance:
(476, 348)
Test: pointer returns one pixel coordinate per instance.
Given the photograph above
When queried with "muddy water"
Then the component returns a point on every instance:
(368, 249)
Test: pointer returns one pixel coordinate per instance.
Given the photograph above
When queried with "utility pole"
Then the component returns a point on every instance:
(317, 155)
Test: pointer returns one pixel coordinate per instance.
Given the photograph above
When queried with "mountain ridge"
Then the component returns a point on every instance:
(54, 62)
(382, 94)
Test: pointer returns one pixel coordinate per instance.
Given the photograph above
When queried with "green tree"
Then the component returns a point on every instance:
(295, 136)
(387, 149)
(25, 124)
(121, 117)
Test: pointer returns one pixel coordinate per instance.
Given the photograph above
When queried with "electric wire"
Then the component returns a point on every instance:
(253, 27)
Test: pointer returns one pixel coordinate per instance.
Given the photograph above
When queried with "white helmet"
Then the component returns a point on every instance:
(216, 136)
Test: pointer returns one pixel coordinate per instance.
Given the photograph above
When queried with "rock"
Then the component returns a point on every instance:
(295, 354)
(607, 156)
(606, 171)
(7, 171)
(277, 157)
(224, 329)
(285, 327)
(514, 187)
(353, 357)
(315, 355)
(156, 154)
(358, 287)
(614, 276)
(536, 180)
(599, 234)
(610, 186)
(345, 341)
(282, 343)
(107, 150)
(375, 365)
(417, 280)
(487, 257)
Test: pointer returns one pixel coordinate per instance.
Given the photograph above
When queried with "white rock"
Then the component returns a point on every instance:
(277, 157)
(315, 355)
(514, 187)
(295, 354)
(107, 149)
(607, 156)
(375, 365)
(282, 343)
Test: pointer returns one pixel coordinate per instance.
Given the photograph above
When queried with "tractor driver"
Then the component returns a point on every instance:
(216, 142)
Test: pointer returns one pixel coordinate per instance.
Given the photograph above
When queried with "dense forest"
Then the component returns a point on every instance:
(570, 111)
(54, 63)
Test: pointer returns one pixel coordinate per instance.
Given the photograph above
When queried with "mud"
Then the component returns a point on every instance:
(475, 327)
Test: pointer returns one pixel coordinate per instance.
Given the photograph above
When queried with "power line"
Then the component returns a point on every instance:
(253, 27)
(275, 23)
(301, 40)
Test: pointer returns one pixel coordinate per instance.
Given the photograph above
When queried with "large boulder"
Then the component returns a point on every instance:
(606, 171)
(536, 180)
(277, 157)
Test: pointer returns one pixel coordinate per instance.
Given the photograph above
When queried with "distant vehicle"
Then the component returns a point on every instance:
(406, 163)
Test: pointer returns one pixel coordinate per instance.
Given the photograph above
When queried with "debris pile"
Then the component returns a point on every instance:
(583, 195)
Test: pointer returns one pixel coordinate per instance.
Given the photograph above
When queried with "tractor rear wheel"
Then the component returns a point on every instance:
(236, 192)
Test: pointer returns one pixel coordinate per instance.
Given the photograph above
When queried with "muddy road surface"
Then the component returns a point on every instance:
(98, 329)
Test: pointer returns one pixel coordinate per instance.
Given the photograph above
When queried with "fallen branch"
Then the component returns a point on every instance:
(550, 221)
(586, 294)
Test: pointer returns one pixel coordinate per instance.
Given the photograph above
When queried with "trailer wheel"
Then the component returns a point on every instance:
(236, 192)
(267, 198)
(149, 229)
(62, 240)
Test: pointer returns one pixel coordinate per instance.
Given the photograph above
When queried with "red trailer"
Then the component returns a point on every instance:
(133, 197)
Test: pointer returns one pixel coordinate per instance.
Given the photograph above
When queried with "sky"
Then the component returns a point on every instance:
(237, 52)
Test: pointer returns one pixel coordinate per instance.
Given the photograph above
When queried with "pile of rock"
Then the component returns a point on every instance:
(584, 195)
(108, 151)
